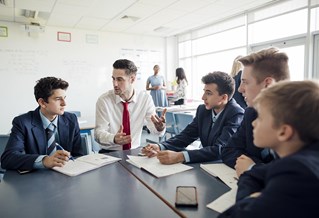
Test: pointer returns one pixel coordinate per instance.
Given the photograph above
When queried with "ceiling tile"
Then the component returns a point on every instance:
(37, 5)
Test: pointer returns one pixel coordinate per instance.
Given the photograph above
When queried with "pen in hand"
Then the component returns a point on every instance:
(59, 147)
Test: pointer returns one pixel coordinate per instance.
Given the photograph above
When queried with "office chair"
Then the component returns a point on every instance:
(182, 120)
(86, 144)
(3, 143)
(170, 125)
(77, 113)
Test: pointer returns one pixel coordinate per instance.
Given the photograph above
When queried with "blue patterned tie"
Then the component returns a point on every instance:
(214, 120)
(50, 130)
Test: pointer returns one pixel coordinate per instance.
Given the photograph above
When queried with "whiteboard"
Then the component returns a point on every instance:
(85, 64)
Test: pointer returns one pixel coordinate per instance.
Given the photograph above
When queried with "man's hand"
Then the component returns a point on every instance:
(58, 159)
(159, 122)
(170, 157)
(121, 138)
(242, 164)
(151, 150)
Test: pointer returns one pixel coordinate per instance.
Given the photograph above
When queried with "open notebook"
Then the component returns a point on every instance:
(154, 167)
(85, 163)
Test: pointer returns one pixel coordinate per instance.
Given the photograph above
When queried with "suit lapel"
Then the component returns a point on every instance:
(38, 132)
(63, 126)
(207, 121)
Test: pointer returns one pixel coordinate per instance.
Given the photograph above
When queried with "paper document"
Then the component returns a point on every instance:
(224, 202)
(154, 167)
(85, 163)
(225, 173)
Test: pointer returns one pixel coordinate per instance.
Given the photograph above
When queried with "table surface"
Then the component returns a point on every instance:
(208, 187)
(110, 191)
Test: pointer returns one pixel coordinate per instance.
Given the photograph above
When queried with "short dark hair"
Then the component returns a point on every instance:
(225, 83)
(268, 62)
(126, 65)
(45, 87)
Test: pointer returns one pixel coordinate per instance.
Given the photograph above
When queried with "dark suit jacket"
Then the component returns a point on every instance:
(242, 142)
(28, 139)
(289, 187)
(211, 138)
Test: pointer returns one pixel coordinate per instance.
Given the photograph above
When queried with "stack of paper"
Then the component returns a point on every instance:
(229, 177)
(154, 167)
(224, 202)
(85, 163)
(225, 173)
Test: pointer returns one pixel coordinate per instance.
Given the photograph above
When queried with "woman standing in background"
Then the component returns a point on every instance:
(181, 86)
(236, 74)
(157, 88)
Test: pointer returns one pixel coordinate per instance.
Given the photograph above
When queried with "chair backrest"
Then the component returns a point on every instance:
(170, 123)
(182, 120)
(86, 146)
(3, 143)
(77, 113)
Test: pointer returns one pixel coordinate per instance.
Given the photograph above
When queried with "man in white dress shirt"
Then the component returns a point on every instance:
(109, 110)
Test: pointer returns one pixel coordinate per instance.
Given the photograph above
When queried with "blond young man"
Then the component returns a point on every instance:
(261, 69)
(287, 123)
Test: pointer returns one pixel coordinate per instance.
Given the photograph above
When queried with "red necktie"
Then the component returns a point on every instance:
(126, 124)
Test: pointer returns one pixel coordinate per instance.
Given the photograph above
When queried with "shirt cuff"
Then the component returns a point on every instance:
(162, 147)
(38, 164)
(186, 156)
(251, 166)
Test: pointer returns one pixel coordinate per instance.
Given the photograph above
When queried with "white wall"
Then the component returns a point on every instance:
(87, 67)
(171, 58)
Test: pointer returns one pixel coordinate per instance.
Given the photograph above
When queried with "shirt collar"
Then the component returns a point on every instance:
(118, 99)
(216, 115)
(46, 122)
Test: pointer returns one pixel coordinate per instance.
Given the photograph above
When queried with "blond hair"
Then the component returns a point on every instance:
(268, 63)
(237, 66)
(296, 104)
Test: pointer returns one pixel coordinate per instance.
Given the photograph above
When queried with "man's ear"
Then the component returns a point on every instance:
(285, 133)
(269, 81)
(225, 98)
(133, 77)
(41, 102)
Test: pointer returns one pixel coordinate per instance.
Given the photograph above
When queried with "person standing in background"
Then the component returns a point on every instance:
(236, 74)
(181, 86)
(157, 88)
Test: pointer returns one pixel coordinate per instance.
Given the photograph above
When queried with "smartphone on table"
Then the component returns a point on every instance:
(186, 196)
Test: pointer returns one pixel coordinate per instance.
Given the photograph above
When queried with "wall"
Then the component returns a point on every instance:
(86, 63)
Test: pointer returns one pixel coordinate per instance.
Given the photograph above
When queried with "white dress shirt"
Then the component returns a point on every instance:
(109, 113)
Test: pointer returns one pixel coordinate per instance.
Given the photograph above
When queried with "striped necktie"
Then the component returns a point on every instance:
(50, 130)
(214, 120)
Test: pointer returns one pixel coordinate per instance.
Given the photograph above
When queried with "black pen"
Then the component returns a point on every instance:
(59, 147)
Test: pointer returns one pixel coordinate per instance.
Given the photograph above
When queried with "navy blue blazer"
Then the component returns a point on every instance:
(242, 142)
(289, 187)
(28, 139)
(211, 138)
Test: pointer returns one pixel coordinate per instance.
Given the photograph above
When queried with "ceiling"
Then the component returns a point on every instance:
(147, 17)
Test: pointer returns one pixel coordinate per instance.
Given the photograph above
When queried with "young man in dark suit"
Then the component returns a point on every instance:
(261, 70)
(215, 122)
(287, 123)
(28, 146)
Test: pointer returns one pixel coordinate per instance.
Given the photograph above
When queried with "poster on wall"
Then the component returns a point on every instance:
(64, 36)
(3, 31)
